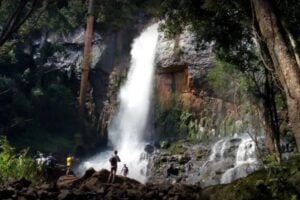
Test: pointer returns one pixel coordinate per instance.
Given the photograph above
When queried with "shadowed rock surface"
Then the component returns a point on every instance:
(93, 185)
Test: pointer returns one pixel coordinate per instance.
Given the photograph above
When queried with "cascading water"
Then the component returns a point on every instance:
(218, 150)
(245, 162)
(230, 159)
(129, 125)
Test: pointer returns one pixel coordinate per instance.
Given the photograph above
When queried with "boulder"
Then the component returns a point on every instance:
(21, 183)
(88, 173)
(149, 148)
(98, 179)
(68, 181)
(64, 195)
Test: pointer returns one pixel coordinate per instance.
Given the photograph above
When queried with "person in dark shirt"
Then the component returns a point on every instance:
(125, 170)
(114, 159)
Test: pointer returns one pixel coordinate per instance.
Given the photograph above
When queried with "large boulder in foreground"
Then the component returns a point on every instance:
(93, 180)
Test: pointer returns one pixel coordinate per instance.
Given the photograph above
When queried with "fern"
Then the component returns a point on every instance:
(14, 165)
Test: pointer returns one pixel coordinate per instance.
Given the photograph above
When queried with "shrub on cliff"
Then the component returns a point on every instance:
(15, 165)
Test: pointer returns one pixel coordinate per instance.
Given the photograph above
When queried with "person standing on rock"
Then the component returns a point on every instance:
(69, 163)
(113, 166)
(50, 164)
(125, 170)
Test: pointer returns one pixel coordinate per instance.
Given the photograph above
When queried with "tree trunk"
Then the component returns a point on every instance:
(285, 64)
(86, 56)
(271, 122)
(271, 118)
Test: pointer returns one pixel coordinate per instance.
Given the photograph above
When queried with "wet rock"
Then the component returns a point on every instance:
(67, 181)
(149, 148)
(22, 198)
(93, 187)
(22, 183)
(235, 140)
(97, 180)
(182, 159)
(63, 195)
(88, 173)
(4, 194)
(165, 144)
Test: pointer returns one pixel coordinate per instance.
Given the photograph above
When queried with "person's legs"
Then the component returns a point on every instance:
(68, 171)
(114, 170)
(112, 174)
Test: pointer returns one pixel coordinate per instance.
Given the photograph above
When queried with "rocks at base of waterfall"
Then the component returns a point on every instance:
(239, 172)
(231, 158)
(195, 155)
(149, 148)
(93, 186)
(211, 164)
(92, 180)
(211, 173)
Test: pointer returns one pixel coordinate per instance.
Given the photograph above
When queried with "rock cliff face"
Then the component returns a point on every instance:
(182, 81)
(60, 56)
(181, 77)
(182, 70)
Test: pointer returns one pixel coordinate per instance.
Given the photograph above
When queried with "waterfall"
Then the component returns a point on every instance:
(135, 96)
(128, 128)
(217, 152)
(245, 162)
(230, 158)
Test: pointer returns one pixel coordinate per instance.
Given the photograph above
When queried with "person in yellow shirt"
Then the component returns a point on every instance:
(69, 163)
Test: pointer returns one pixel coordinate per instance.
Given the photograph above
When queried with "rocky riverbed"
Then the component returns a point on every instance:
(221, 161)
(263, 184)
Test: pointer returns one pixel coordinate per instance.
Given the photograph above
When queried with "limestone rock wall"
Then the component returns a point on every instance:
(181, 79)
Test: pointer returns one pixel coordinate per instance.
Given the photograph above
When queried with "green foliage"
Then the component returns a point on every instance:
(107, 14)
(176, 148)
(174, 122)
(57, 16)
(219, 75)
(15, 108)
(277, 176)
(62, 16)
(280, 102)
(42, 116)
(282, 182)
(211, 20)
(229, 24)
(235, 89)
(15, 165)
(7, 51)
(169, 121)
(54, 106)
(272, 165)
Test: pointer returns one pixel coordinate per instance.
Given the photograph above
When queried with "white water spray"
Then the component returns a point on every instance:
(129, 125)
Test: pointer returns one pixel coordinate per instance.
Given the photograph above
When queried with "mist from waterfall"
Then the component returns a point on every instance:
(128, 128)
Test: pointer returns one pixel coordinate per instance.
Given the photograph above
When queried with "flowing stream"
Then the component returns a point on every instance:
(128, 128)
